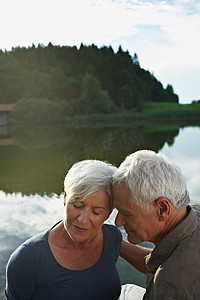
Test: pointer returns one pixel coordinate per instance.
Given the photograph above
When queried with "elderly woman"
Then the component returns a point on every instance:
(76, 258)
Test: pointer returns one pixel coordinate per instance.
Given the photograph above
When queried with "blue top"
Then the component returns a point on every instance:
(34, 273)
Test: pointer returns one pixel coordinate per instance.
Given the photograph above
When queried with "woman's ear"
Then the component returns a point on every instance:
(65, 195)
(163, 208)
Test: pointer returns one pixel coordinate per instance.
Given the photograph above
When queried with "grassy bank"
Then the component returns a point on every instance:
(152, 112)
(165, 106)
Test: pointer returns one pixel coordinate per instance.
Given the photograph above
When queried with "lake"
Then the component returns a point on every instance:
(34, 161)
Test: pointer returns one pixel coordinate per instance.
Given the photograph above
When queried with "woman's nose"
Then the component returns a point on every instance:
(83, 217)
(119, 220)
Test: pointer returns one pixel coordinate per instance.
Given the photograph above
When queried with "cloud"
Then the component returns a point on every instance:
(27, 215)
(63, 22)
(72, 22)
(22, 216)
(96, 21)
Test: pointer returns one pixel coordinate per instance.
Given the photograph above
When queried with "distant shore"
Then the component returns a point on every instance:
(152, 112)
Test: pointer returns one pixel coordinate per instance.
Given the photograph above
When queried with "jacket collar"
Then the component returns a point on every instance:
(166, 246)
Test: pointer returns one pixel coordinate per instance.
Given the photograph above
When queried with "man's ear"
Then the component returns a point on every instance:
(163, 209)
(65, 195)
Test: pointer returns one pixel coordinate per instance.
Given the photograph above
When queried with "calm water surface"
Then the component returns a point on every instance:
(34, 162)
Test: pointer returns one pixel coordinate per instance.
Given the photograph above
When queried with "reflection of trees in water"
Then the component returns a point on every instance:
(113, 144)
(42, 156)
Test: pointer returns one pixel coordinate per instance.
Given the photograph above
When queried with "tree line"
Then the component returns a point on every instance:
(63, 81)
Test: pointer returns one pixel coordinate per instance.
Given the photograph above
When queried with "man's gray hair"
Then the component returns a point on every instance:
(149, 176)
(89, 176)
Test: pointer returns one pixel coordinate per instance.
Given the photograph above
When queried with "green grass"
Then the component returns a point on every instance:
(165, 106)
(152, 112)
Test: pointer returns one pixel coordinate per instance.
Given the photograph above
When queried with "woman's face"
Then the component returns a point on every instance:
(83, 219)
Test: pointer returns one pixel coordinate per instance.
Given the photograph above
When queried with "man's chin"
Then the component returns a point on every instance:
(132, 240)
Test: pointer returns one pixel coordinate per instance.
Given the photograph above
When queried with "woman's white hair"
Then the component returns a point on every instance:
(87, 177)
(149, 176)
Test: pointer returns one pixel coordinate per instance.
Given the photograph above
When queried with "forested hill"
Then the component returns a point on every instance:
(78, 80)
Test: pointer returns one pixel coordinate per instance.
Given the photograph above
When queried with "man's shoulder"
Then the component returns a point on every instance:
(186, 253)
(177, 281)
(196, 208)
(179, 274)
(183, 265)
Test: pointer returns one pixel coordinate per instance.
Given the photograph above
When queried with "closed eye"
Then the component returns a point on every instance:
(77, 206)
(95, 213)
(127, 214)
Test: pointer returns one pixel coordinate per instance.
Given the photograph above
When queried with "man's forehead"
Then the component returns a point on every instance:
(121, 195)
(122, 188)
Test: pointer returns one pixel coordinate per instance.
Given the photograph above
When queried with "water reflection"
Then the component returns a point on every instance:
(186, 154)
(21, 217)
(3, 131)
(25, 214)
(34, 168)
(41, 157)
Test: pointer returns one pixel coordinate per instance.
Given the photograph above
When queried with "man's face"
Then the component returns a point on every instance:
(140, 226)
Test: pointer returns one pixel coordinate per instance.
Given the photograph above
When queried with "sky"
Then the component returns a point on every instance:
(164, 34)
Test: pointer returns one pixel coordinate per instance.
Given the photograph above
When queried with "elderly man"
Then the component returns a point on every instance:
(152, 200)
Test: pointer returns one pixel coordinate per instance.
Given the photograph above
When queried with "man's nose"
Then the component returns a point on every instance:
(119, 220)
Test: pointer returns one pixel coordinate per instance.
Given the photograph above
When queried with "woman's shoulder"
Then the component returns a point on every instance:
(26, 249)
(110, 227)
(32, 246)
(39, 237)
(113, 240)
(112, 231)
